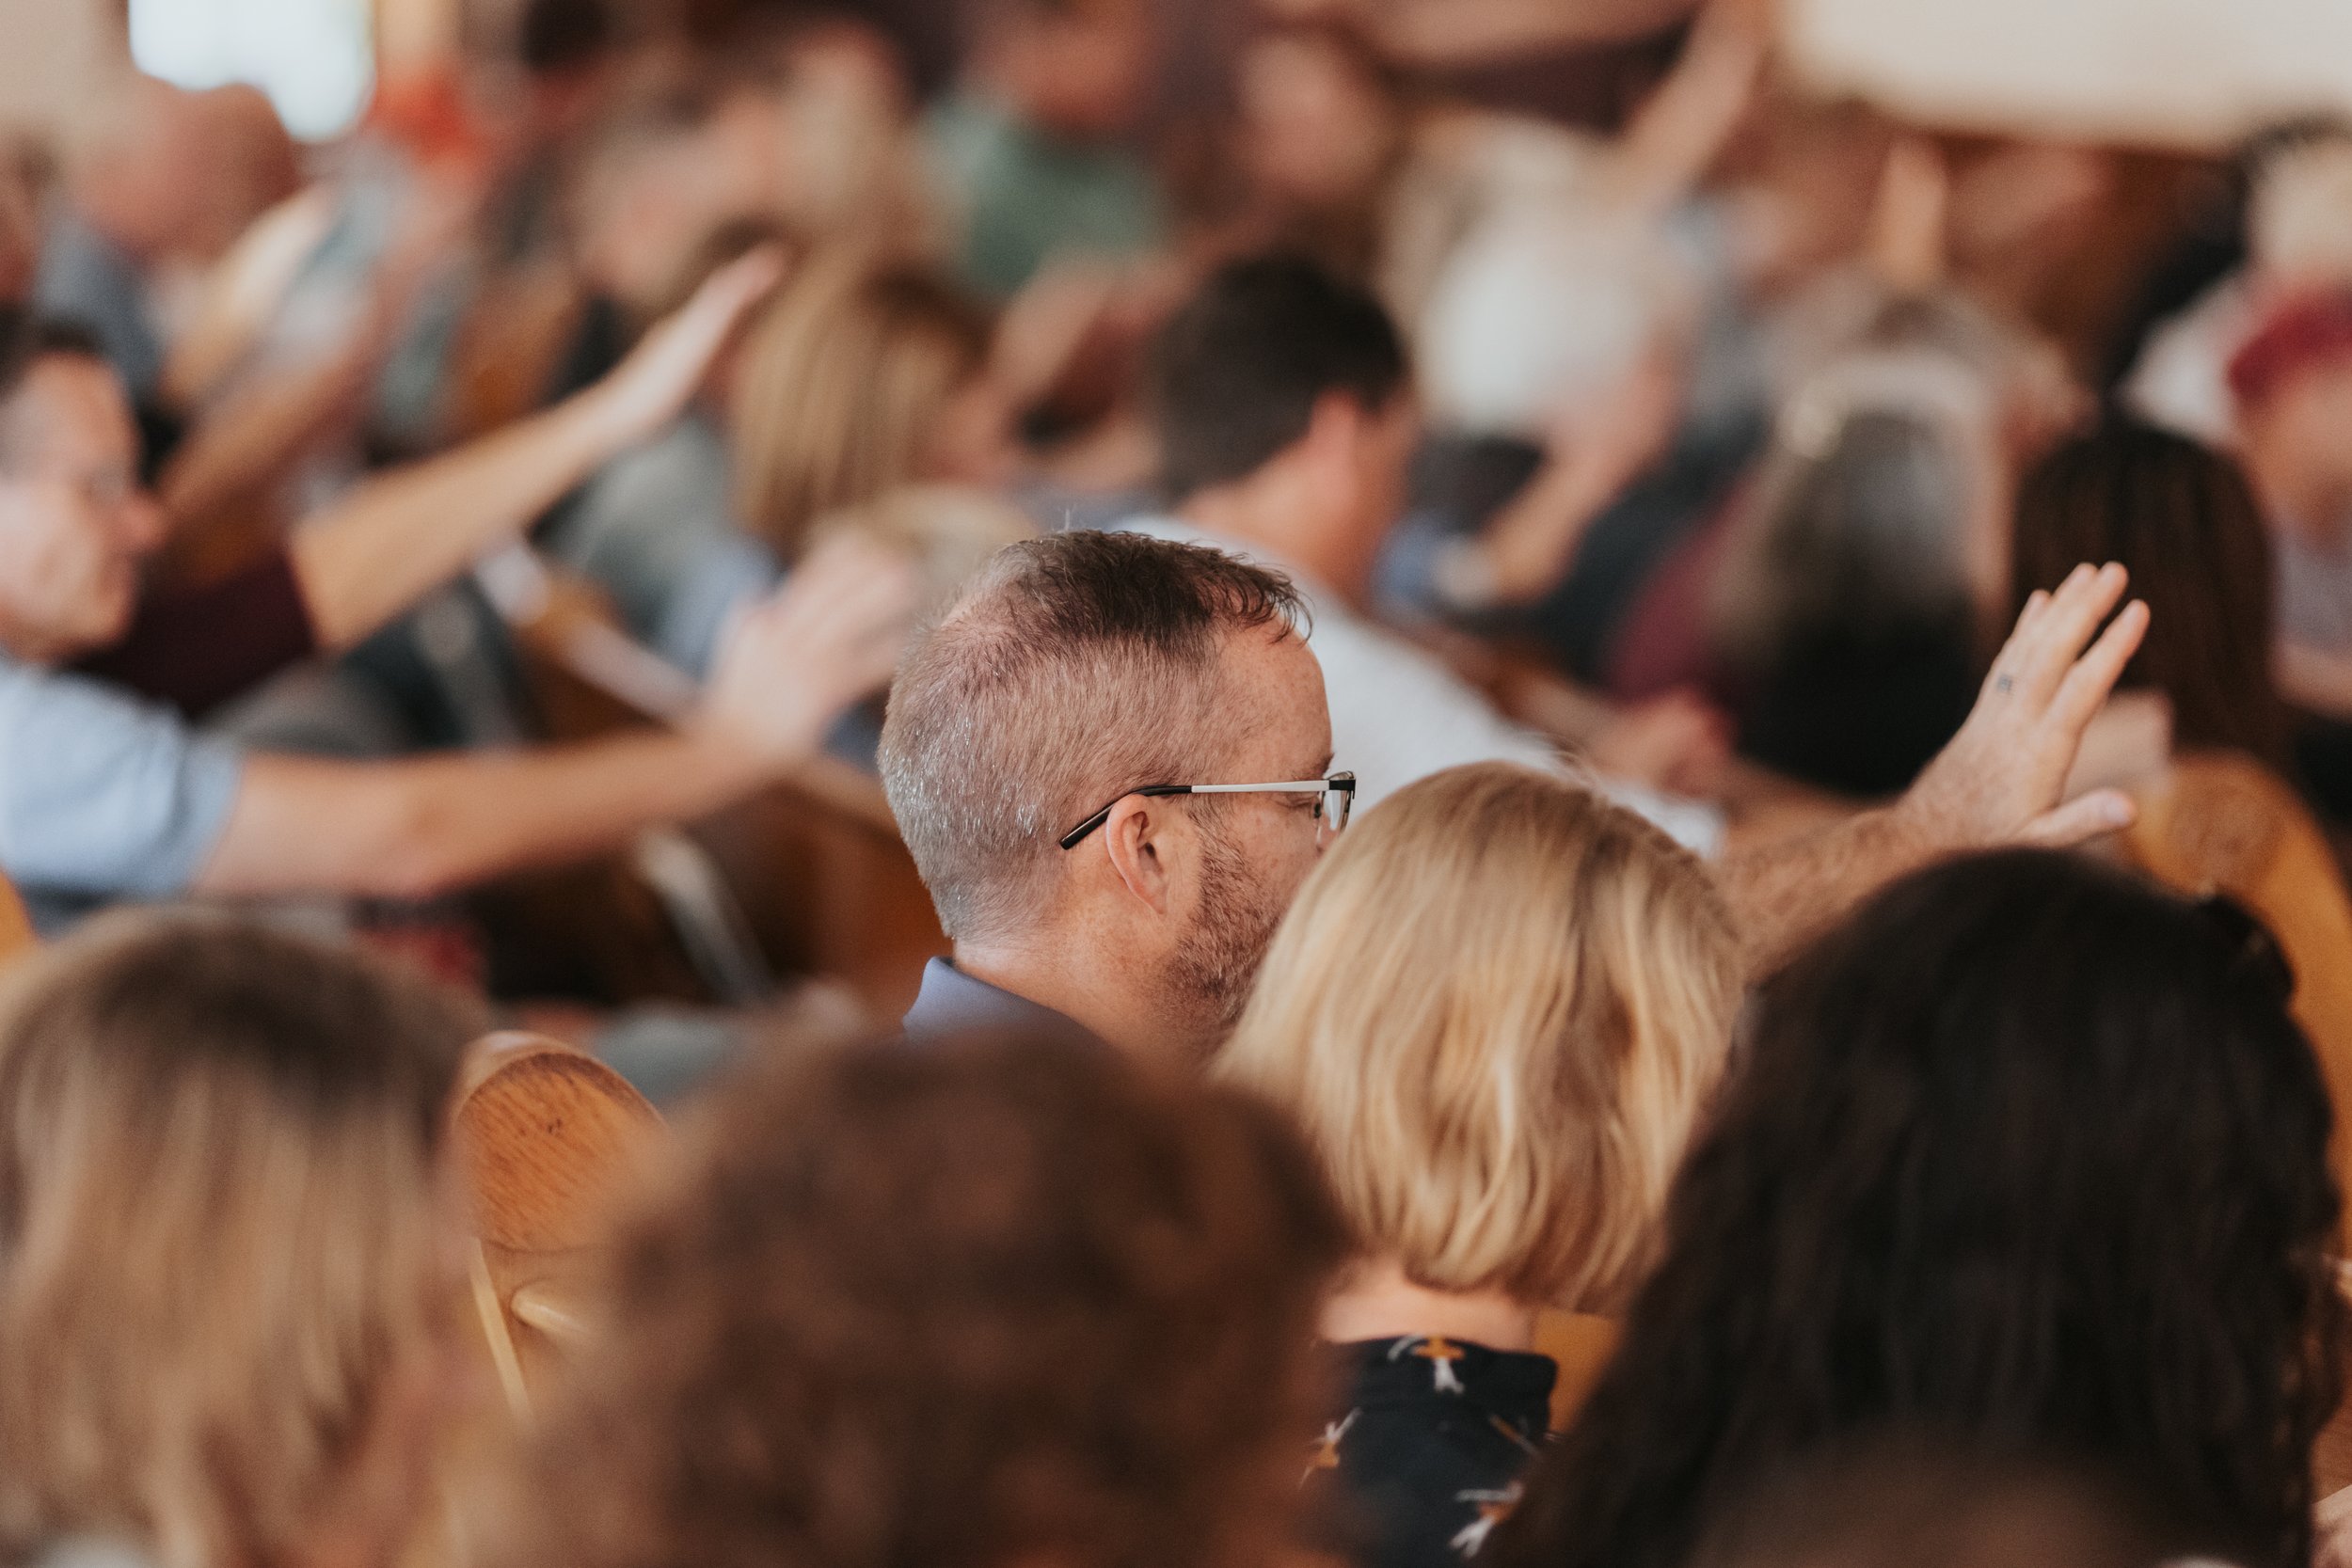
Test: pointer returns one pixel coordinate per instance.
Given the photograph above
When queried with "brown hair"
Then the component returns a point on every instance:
(218, 1147)
(982, 1302)
(1499, 1083)
(2183, 519)
(1074, 667)
(844, 377)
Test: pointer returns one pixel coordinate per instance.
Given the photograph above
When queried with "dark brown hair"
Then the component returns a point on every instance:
(2182, 520)
(974, 1303)
(2025, 1157)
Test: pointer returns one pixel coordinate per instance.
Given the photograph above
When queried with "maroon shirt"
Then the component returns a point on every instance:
(198, 649)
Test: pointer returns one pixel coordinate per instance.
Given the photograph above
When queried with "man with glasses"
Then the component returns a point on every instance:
(1111, 760)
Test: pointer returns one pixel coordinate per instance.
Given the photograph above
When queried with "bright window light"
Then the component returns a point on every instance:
(313, 57)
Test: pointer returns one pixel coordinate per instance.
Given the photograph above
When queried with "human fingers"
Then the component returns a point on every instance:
(2081, 819)
(2085, 690)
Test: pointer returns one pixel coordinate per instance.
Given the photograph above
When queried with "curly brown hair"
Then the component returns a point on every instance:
(964, 1303)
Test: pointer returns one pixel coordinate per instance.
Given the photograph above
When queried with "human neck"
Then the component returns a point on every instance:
(26, 645)
(1266, 510)
(2304, 503)
(1118, 1014)
(1376, 1301)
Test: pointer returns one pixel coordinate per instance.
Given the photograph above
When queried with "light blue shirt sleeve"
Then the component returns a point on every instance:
(102, 796)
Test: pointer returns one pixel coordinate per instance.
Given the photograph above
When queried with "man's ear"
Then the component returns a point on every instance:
(1149, 841)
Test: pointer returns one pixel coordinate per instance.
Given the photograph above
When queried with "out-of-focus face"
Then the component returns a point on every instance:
(1085, 74)
(75, 524)
(1315, 133)
(971, 442)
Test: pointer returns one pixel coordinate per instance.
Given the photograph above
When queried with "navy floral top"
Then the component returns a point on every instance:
(1426, 1459)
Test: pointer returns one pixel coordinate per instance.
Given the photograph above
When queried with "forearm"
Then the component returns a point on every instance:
(418, 827)
(375, 553)
(1530, 544)
(1783, 894)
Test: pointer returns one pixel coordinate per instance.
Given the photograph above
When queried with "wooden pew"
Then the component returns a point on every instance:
(550, 1143)
(814, 868)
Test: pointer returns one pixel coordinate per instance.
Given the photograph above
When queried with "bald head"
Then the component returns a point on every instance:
(1072, 669)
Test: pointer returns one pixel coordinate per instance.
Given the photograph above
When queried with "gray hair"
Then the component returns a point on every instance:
(1072, 667)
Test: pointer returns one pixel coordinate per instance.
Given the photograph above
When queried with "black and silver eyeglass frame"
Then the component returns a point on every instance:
(1335, 797)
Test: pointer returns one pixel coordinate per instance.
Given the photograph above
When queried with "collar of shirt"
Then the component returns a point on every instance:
(953, 1003)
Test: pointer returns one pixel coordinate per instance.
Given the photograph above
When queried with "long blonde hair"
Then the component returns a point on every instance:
(1496, 1008)
(219, 1229)
(843, 379)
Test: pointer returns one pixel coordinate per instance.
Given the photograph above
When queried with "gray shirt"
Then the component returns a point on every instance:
(103, 797)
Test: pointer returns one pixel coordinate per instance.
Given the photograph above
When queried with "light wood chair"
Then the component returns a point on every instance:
(16, 926)
(551, 1142)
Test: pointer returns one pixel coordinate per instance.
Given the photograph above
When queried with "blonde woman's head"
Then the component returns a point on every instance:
(1496, 1010)
(859, 377)
(221, 1234)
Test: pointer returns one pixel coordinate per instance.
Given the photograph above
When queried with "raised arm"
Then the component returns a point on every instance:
(417, 827)
(2001, 780)
(375, 553)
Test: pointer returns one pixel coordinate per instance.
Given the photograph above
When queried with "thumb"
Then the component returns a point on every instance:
(2084, 817)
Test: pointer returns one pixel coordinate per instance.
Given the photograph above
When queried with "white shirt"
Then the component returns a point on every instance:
(1398, 714)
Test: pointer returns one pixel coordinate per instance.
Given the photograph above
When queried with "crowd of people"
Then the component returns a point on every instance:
(1538, 714)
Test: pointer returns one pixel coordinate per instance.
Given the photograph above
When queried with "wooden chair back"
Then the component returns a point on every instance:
(16, 926)
(551, 1142)
(2220, 822)
(816, 864)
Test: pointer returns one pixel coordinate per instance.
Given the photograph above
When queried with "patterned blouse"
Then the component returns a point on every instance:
(1426, 1460)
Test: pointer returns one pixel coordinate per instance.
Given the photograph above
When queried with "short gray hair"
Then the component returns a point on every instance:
(1070, 669)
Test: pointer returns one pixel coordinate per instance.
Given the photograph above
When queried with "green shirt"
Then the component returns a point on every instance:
(1018, 197)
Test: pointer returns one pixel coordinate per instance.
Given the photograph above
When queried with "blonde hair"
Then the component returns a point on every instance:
(949, 531)
(844, 377)
(1496, 1008)
(217, 1229)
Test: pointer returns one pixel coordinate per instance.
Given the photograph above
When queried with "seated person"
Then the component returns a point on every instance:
(1048, 736)
(1027, 156)
(1285, 424)
(2182, 519)
(104, 798)
(2292, 384)
(1496, 1008)
(2025, 1153)
(854, 379)
(875, 1321)
(236, 1141)
(370, 555)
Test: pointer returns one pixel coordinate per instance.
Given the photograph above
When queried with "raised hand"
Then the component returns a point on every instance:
(649, 388)
(2002, 778)
(790, 664)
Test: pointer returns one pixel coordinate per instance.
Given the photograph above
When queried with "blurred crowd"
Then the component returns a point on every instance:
(1354, 740)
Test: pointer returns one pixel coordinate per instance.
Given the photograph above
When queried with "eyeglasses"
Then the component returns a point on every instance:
(1335, 797)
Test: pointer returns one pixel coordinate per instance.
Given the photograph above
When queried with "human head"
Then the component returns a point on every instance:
(1078, 70)
(138, 167)
(1277, 378)
(858, 377)
(2292, 382)
(1320, 123)
(2182, 520)
(1075, 668)
(1883, 503)
(75, 523)
(223, 1240)
(2024, 1153)
(1241, 372)
(1496, 1008)
(994, 1301)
